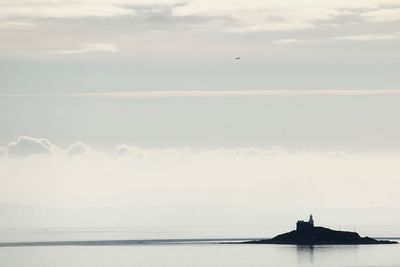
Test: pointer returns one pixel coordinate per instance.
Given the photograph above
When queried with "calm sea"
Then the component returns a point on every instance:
(204, 255)
(201, 255)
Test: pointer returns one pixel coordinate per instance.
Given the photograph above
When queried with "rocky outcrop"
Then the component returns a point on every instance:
(320, 236)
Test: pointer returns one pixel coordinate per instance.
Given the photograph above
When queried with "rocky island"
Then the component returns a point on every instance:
(308, 234)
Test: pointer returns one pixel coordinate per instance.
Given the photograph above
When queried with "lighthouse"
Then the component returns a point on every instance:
(304, 226)
(311, 221)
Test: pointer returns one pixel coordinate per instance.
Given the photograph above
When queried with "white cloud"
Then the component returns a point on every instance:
(138, 153)
(382, 15)
(122, 150)
(78, 149)
(16, 24)
(26, 146)
(72, 9)
(368, 37)
(357, 37)
(88, 48)
(61, 9)
(286, 41)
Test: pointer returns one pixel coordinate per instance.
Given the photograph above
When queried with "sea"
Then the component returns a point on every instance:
(74, 248)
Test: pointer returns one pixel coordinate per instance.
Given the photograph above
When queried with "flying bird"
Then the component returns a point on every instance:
(237, 58)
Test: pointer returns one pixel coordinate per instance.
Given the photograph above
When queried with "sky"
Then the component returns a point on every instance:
(133, 102)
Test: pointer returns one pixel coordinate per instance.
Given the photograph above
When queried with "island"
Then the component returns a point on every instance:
(308, 234)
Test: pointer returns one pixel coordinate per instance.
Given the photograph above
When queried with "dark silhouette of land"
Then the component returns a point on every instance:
(307, 234)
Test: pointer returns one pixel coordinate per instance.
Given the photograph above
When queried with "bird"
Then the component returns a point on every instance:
(237, 58)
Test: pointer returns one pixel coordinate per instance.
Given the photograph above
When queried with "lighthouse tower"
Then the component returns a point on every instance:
(311, 221)
(305, 226)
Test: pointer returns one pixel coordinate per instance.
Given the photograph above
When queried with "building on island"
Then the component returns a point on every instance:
(302, 225)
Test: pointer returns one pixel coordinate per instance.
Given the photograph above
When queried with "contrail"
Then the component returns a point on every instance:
(218, 93)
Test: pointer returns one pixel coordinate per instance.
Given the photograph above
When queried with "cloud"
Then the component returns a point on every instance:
(78, 149)
(260, 15)
(16, 24)
(222, 93)
(26, 146)
(355, 37)
(286, 41)
(238, 15)
(72, 9)
(88, 48)
(239, 176)
(238, 93)
(61, 9)
(122, 150)
(337, 155)
(369, 37)
(279, 15)
(382, 15)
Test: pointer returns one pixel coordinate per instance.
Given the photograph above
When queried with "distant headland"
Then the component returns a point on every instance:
(308, 234)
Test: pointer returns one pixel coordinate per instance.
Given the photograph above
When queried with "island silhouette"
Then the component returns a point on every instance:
(308, 234)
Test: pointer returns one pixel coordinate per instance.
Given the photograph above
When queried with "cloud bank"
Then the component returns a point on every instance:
(127, 175)
(259, 16)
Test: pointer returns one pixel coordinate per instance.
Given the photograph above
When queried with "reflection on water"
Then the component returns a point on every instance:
(310, 255)
(305, 254)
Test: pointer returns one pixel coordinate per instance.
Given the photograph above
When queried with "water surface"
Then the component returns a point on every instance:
(176, 255)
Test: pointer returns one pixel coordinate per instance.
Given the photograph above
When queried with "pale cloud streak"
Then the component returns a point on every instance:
(60, 9)
(382, 15)
(88, 48)
(73, 9)
(219, 93)
(239, 93)
(368, 37)
(355, 37)
(16, 24)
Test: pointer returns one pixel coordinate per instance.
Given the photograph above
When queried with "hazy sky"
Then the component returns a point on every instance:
(313, 102)
(53, 47)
